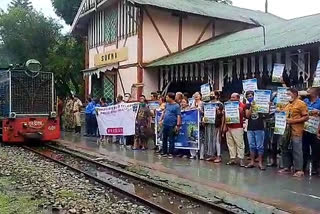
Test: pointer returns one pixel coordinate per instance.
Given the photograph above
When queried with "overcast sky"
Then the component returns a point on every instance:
(284, 8)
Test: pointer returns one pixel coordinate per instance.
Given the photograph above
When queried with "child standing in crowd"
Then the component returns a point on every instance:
(234, 135)
(171, 122)
(143, 124)
(255, 132)
(292, 155)
(198, 104)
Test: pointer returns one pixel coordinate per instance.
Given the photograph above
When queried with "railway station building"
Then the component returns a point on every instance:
(141, 46)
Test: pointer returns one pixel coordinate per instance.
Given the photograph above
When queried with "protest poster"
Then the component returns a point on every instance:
(232, 112)
(280, 122)
(117, 119)
(190, 101)
(205, 91)
(189, 135)
(316, 80)
(250, 85)
(153, 105)
(210, 110)
(262, 101)
(277, 72)
(312, 125)
(282, 96)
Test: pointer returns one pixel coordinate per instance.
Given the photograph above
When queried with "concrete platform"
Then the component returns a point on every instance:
(294, 195)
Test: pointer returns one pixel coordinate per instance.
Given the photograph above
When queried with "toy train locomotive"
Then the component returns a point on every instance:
(27, 104)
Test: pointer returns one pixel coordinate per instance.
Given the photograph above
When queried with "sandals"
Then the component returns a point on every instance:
(249, 166)
(231, 162)
(298, 174)
(217, 160)
(262, 168)
(284, 171)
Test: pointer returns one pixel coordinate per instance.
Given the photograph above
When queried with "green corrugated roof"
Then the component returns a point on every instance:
(213, 9)
(295, 32)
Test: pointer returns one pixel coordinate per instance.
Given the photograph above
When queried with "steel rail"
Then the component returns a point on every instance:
(143, 201)
(110, 167)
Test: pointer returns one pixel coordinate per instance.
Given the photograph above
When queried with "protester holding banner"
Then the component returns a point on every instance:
(297, 115)
(255, 132)
(171, 122)
(233, 127)
(311, 130)
(179, 97)
(88, 112)
(198, 104)
(143, 125)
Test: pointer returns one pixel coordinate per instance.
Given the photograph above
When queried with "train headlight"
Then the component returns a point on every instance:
(12, 115)
(33, 65)
(53, 114)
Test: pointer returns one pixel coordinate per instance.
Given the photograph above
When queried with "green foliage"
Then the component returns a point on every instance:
(66, 61)
(66, 9)
(26, 34)
(26, 4)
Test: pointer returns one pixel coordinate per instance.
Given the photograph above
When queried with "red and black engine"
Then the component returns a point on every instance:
(28, 104)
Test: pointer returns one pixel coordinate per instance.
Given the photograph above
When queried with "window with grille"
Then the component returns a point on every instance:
(112, 24)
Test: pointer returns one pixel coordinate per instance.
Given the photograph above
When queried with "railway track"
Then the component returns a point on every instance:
(160, 199)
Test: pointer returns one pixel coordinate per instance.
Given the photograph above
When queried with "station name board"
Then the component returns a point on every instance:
(111, 57)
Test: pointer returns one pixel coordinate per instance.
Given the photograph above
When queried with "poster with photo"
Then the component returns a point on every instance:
(210, 110)
(262, 101)
(205, 91)
(250, 85)
(232, 112)
(280, 122)
(282, 96)
(277, 72)
(312, 125)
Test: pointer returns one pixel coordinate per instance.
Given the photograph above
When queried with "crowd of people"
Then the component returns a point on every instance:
(249, 142)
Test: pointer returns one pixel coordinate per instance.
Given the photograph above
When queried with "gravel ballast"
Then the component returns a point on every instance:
(32, 184)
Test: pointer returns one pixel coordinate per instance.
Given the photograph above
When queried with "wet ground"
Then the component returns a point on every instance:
(286, 190)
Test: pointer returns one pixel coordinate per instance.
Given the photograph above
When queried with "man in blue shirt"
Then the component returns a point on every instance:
(171, 122)
(89, 109)
(310, 139)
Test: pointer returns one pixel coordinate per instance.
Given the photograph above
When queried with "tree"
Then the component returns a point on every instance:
(26, 4)
(26, 34)
(66, 9)
(66, 61)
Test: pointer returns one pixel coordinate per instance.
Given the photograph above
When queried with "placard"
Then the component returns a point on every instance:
(190, 101)
(205, 91)
(117, 119)
(153, 105)
(316, 80)
(189, 135)
(262, 101)
(312, 125)
(277, 72)
(250, 85)
(282, 96)
(280, 122)
(210, 111)
(232, 113)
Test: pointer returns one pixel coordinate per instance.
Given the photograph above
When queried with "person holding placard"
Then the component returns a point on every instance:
(255, 132)
(198, 104)
(234, 131)
(310, 134)
(292, 155)
(212, 112)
